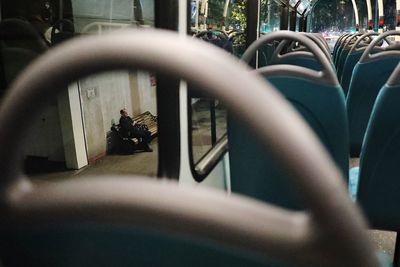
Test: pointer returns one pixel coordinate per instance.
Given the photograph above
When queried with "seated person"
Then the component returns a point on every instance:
(132, 129)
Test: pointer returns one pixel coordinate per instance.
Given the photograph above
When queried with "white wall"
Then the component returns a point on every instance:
(102, 97)
(45, 137)
(147, 93)
(72, 127)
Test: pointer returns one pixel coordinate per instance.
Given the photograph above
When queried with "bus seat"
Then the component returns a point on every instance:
(327, 118)
(337, 44)
(320, 41)
(94, 221)
(345, 52)
(321, 103)
(340, 47)
(20, 44)
(379, 186)
(265, 54)
(377, 183)
(93, 245)
(363, 91)
(301, 57)
(348, 68)
(14, 60)
(353, 57)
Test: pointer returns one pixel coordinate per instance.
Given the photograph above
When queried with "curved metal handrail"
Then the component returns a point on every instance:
(355, 47)
(367, 56)
(272, 231)
(327, 75)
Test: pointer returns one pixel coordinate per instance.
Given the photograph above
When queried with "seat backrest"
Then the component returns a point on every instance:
(20, 44)
(335, 47)
(363, 91)
(321, 43)
(340, 47)
(321, 103)
(14, 60)
(299, 56)
(90, 221)
(337, 44)
(320, 37)
(95, 245)
(379, 183)
(265, 54)
(354, 55)
(345, 52)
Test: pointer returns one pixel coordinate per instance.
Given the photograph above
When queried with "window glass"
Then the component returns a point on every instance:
(79, 131)
(269, 22)
(208, 125)
(270, 16)
(237, 25)
(298, 21)
(363, 16)
(390, 12)
(332, 19)
(222, 24)
(301, 7)
(220, 15)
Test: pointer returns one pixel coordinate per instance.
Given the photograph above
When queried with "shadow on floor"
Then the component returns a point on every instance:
(37, 165)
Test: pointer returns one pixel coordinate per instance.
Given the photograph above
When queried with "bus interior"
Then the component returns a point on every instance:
(271, 133)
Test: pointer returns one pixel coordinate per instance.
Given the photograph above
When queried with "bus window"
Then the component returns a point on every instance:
(226, 16)
(78, 132)
(390, 12)
(270, 16)
(208, 126)
(222, 24)
(332, 19)
(238, 26)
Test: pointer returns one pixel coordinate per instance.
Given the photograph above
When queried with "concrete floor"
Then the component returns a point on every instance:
(139, 163)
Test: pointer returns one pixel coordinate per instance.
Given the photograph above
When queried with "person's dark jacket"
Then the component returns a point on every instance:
(126, 124)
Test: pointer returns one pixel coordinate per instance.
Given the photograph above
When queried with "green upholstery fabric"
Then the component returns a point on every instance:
(335, 48)
(253, 171)
(348, 67)
(338, 44)
(90, 245)
(379, 184)
(338, 52)
(367, 80)
(106, 245)
(341, 60)
(265, 54)
(307, 62)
